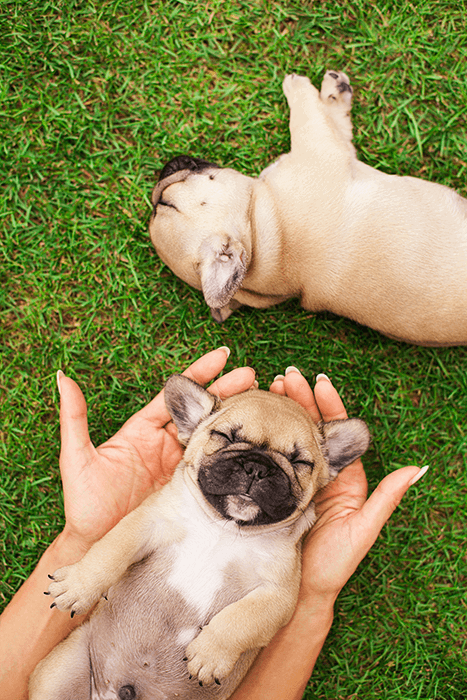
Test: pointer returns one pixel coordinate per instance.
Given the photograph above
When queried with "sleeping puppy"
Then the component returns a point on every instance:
(190, 585)
(389, 252)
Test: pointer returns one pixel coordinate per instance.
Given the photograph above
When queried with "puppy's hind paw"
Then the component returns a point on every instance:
(336, 89)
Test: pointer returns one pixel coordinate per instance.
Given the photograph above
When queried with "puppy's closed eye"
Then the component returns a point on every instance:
(231, 435)
(226, 436)
(298, 460)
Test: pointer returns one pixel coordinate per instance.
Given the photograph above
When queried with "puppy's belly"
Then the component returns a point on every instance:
(140, 634)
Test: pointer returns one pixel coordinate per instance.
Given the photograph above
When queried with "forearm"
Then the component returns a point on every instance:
(29, 629)
(282, 670)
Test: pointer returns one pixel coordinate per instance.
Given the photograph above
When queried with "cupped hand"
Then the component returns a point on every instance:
(102, 484)
(348, 523)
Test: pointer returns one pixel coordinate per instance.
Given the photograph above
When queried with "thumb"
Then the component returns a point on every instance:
(73, 416)
(385, 499)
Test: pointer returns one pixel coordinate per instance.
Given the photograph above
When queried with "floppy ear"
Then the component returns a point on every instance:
(222, 270)
(188, 403)
(345, 440)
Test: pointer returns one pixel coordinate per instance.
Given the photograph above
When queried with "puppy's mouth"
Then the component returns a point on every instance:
(248, 487)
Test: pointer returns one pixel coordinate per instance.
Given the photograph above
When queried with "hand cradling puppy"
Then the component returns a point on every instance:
(192, 583)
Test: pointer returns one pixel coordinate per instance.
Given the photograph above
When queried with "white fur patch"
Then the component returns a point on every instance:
(241, 508)
(186, 635)
(202, 557)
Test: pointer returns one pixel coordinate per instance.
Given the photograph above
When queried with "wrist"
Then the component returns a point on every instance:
(314, 616)
(317, 604)
(22, 644)
(68, 548)
(283, 668)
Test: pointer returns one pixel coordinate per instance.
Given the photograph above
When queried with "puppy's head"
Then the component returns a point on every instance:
(258, 458)
(200, 226)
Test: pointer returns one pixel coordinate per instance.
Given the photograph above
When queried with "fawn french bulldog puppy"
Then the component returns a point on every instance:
(388, 252)
(192, 583)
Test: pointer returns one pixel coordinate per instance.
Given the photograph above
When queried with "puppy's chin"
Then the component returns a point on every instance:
(241, 508)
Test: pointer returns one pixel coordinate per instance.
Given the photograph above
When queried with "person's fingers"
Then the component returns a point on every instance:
(298, 389)
(329, 403)
(73, 415)
(202, 371)
(206, 367)
(236, 381)
(277, 386)
(383, 502)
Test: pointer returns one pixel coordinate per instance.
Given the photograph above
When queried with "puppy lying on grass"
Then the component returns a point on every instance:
(389, 252)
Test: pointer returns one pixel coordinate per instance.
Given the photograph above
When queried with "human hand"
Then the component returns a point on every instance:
(348, 524)
(102, 484)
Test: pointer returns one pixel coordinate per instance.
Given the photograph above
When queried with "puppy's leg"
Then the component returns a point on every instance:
(336, 94)
(248, 624)
(79, 586)
(64, 674)
(314, 126)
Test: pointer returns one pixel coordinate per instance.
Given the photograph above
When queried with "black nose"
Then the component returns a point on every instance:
(185, 163)
(127, 692)
(256, 470)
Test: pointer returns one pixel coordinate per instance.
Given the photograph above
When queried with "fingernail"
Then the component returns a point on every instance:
(418, 476)
(226, 350)
(278, 377)
(59, 376)
(322, 376)
(255, 384)
(292, 369)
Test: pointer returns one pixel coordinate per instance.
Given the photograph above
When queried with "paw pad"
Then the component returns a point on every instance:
(336, 88)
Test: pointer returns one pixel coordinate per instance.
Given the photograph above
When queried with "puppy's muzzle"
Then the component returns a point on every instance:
(252, 476)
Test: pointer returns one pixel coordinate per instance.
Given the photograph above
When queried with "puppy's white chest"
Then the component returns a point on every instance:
(202, 561)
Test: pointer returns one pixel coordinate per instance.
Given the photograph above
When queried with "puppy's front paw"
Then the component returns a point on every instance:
(209, 658)
(72, 590)
(335, 88)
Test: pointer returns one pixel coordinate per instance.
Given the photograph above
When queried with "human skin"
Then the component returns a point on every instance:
(103, 484)
(347, 526)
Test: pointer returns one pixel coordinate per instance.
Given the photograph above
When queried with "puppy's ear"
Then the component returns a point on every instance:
(345, 440)
(188, 403)
(222, 270)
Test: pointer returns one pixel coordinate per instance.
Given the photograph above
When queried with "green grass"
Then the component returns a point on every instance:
(95, 97)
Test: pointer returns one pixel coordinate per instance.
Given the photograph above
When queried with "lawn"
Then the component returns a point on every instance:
(95, 98)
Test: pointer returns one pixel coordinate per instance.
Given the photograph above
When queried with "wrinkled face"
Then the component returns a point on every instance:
(258, 460)
(257, 457)
(200, 226)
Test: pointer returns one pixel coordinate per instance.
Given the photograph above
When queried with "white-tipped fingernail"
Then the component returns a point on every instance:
(292, 369)
(322, 376)
(278, 377)
(226, 349)
(418, 476)
(59, 376)
(255, 384)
